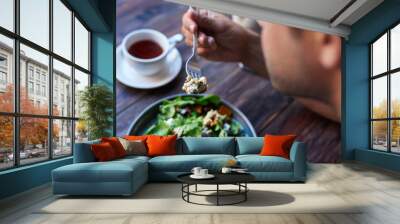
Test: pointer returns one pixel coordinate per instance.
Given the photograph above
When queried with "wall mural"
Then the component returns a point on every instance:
(255, 77)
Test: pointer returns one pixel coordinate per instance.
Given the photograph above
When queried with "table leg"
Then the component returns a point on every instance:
(188, 190)
(217, 194)
(195, 188)
(245, 193)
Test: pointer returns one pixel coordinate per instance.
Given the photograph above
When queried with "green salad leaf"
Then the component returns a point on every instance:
(185, 116)
(208, 99)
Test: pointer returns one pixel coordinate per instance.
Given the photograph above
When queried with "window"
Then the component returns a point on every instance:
(81, 45)
(33, 149)
(34, 21)
(385, 92)
(62, 74)
(38, 73)
(6, 74)
(3, 72)
(3, 78)
(34, 128)
(30, 87)
(7, 14)
(62, 30)
(6, 142)
(37, 89)
(3, 61)
(81, 81)
(55, 100)
(62, 137)
(30, 72)
(44, 91)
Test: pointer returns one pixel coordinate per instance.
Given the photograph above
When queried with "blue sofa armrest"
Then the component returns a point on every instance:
(83, 152)
(299, 159)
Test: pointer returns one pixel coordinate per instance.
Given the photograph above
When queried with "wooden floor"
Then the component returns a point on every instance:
(269, 111)
(379, 189)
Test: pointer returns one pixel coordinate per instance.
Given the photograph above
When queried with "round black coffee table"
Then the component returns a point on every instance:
(238, 179)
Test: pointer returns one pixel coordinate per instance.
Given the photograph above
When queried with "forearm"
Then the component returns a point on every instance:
(253, 56)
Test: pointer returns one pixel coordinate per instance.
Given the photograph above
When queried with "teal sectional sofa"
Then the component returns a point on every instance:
(125, 176)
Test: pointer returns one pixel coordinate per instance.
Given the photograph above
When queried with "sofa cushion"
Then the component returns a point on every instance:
(161, 145)
(103, 152)
(185, 163)
(208, 145)
(249, 145)
(257, 163)
(116, 145)
(133, 158)
(112, 171)
(277, 145)
(136, 147)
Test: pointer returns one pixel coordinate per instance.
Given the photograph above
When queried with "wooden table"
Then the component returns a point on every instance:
(268, 110)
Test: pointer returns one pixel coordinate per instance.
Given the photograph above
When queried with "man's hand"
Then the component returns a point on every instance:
(219, 39)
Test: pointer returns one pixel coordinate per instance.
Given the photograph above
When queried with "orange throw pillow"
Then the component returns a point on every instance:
(161, 145)
(103, 152)
(116, 145)
(277, 145)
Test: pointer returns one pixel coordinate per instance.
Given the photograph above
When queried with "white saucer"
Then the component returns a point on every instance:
(208, 176)
(130, 77)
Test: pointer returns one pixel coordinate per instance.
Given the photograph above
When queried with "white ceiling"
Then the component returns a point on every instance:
(328, 16)
(313, 8)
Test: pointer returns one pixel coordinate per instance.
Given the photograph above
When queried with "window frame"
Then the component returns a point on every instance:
(16, 114)
(388, 74)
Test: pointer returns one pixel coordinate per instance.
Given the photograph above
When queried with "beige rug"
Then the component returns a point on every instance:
(166, 198)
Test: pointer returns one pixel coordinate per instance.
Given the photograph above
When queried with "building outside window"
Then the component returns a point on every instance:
(55, 96)
(3, 72)
(44, 77)
(3, 61)
(385, 91)
(38, 89)
(58, 128)
(3, 78)
(43, 90)
(30, 87)
(37, 74)
(30, 72)
(3, 81)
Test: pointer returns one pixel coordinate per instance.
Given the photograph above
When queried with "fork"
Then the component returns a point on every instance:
(193, 68)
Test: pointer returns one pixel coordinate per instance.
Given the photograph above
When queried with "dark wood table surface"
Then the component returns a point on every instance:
(268, 110)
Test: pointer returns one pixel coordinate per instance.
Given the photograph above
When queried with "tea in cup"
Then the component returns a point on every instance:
(145, 50)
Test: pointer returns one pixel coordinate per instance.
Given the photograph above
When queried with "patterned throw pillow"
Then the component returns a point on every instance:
(135, 147)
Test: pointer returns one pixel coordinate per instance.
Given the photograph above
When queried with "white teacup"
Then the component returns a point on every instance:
(226, 170)
(151, 66)
(196, 171)
(203, 172)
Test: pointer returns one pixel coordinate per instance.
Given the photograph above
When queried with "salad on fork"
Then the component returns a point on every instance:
(195, 82)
